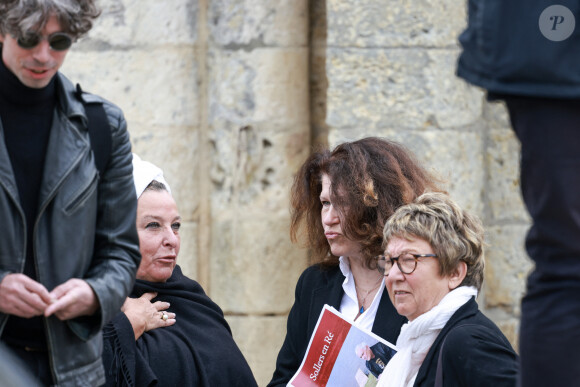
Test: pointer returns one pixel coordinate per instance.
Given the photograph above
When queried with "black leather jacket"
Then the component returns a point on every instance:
(85, 228)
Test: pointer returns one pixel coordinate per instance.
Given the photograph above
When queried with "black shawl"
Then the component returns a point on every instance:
(198, 350)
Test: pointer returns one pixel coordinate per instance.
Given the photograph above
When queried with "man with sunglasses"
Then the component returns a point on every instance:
(69, 249)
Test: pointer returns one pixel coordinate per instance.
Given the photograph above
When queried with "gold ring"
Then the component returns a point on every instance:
(164, 317)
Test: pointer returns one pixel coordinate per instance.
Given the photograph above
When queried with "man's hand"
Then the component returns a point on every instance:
(22, 296)
(74, 298)
(145, 315)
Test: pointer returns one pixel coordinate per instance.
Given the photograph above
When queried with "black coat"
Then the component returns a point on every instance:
(506, 52)
(318, 286)
(198, 350)
(475, 354)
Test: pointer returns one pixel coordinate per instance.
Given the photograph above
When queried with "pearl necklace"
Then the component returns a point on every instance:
(362, 308)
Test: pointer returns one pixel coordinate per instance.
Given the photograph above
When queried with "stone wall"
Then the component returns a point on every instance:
(228, 96)
(390, 69)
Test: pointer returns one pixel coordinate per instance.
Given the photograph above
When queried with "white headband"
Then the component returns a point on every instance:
(144, 173)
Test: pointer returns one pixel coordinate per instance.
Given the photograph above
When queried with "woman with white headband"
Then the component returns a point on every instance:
(169, 333)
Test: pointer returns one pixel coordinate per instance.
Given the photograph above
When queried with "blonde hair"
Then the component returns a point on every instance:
(454, 234)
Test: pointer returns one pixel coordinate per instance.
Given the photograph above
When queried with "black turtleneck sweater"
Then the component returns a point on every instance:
(26, 117)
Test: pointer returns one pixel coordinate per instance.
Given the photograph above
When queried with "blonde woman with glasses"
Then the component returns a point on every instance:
(433, 266)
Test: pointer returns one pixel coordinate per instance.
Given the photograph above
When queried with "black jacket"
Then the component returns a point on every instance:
(198, 350)
(85, 228)
(475, 354)
(316, 287)
(506, 52)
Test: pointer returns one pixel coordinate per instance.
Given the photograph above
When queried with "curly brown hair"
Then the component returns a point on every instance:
(371, 177)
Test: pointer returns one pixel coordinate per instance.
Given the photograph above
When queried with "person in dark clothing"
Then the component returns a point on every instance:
(69, 251)
(376, 356)
(526, 53)
(342, 198)
(434, 266)
(13, 372)
(169, 333)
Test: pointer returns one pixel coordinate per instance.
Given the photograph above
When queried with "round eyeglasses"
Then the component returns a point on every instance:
(59, 41)
(407, 262)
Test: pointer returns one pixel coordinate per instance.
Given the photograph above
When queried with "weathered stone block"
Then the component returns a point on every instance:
(260, 339)
(188, 253)
(146, 22)
(402, 88)
(175, 150)
(318, 87)
(254, 267)
(496, 115)
(385, 23)
(255, 163)
(231, 91)
(262, 85)
(252, 170)
(281, 85)
(249, 24)
(166, 95)
(507, 267)
(503, 192)
(452, 102)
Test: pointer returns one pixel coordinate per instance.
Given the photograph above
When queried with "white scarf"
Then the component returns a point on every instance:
(417, 336)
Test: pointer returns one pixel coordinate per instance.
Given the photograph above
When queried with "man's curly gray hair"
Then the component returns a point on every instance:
(20, 16)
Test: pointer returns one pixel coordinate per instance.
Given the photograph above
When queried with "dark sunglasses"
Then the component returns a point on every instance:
(59, 41)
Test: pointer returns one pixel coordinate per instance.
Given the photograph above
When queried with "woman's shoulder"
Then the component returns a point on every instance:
(320, 269)
(182, 290)
(476, 353)
(473, 352)
(317, 274)
(179, 279)
(463, 333)
(477, 329)
(469, 330)
(472, 318)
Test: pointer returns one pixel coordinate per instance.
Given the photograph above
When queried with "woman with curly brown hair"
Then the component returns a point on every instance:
(340, 202)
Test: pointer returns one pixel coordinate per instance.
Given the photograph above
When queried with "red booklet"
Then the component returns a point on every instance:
(342, 354)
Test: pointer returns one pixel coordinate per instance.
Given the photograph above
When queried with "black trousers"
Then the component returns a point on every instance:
(549, 132)
(36, 363)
